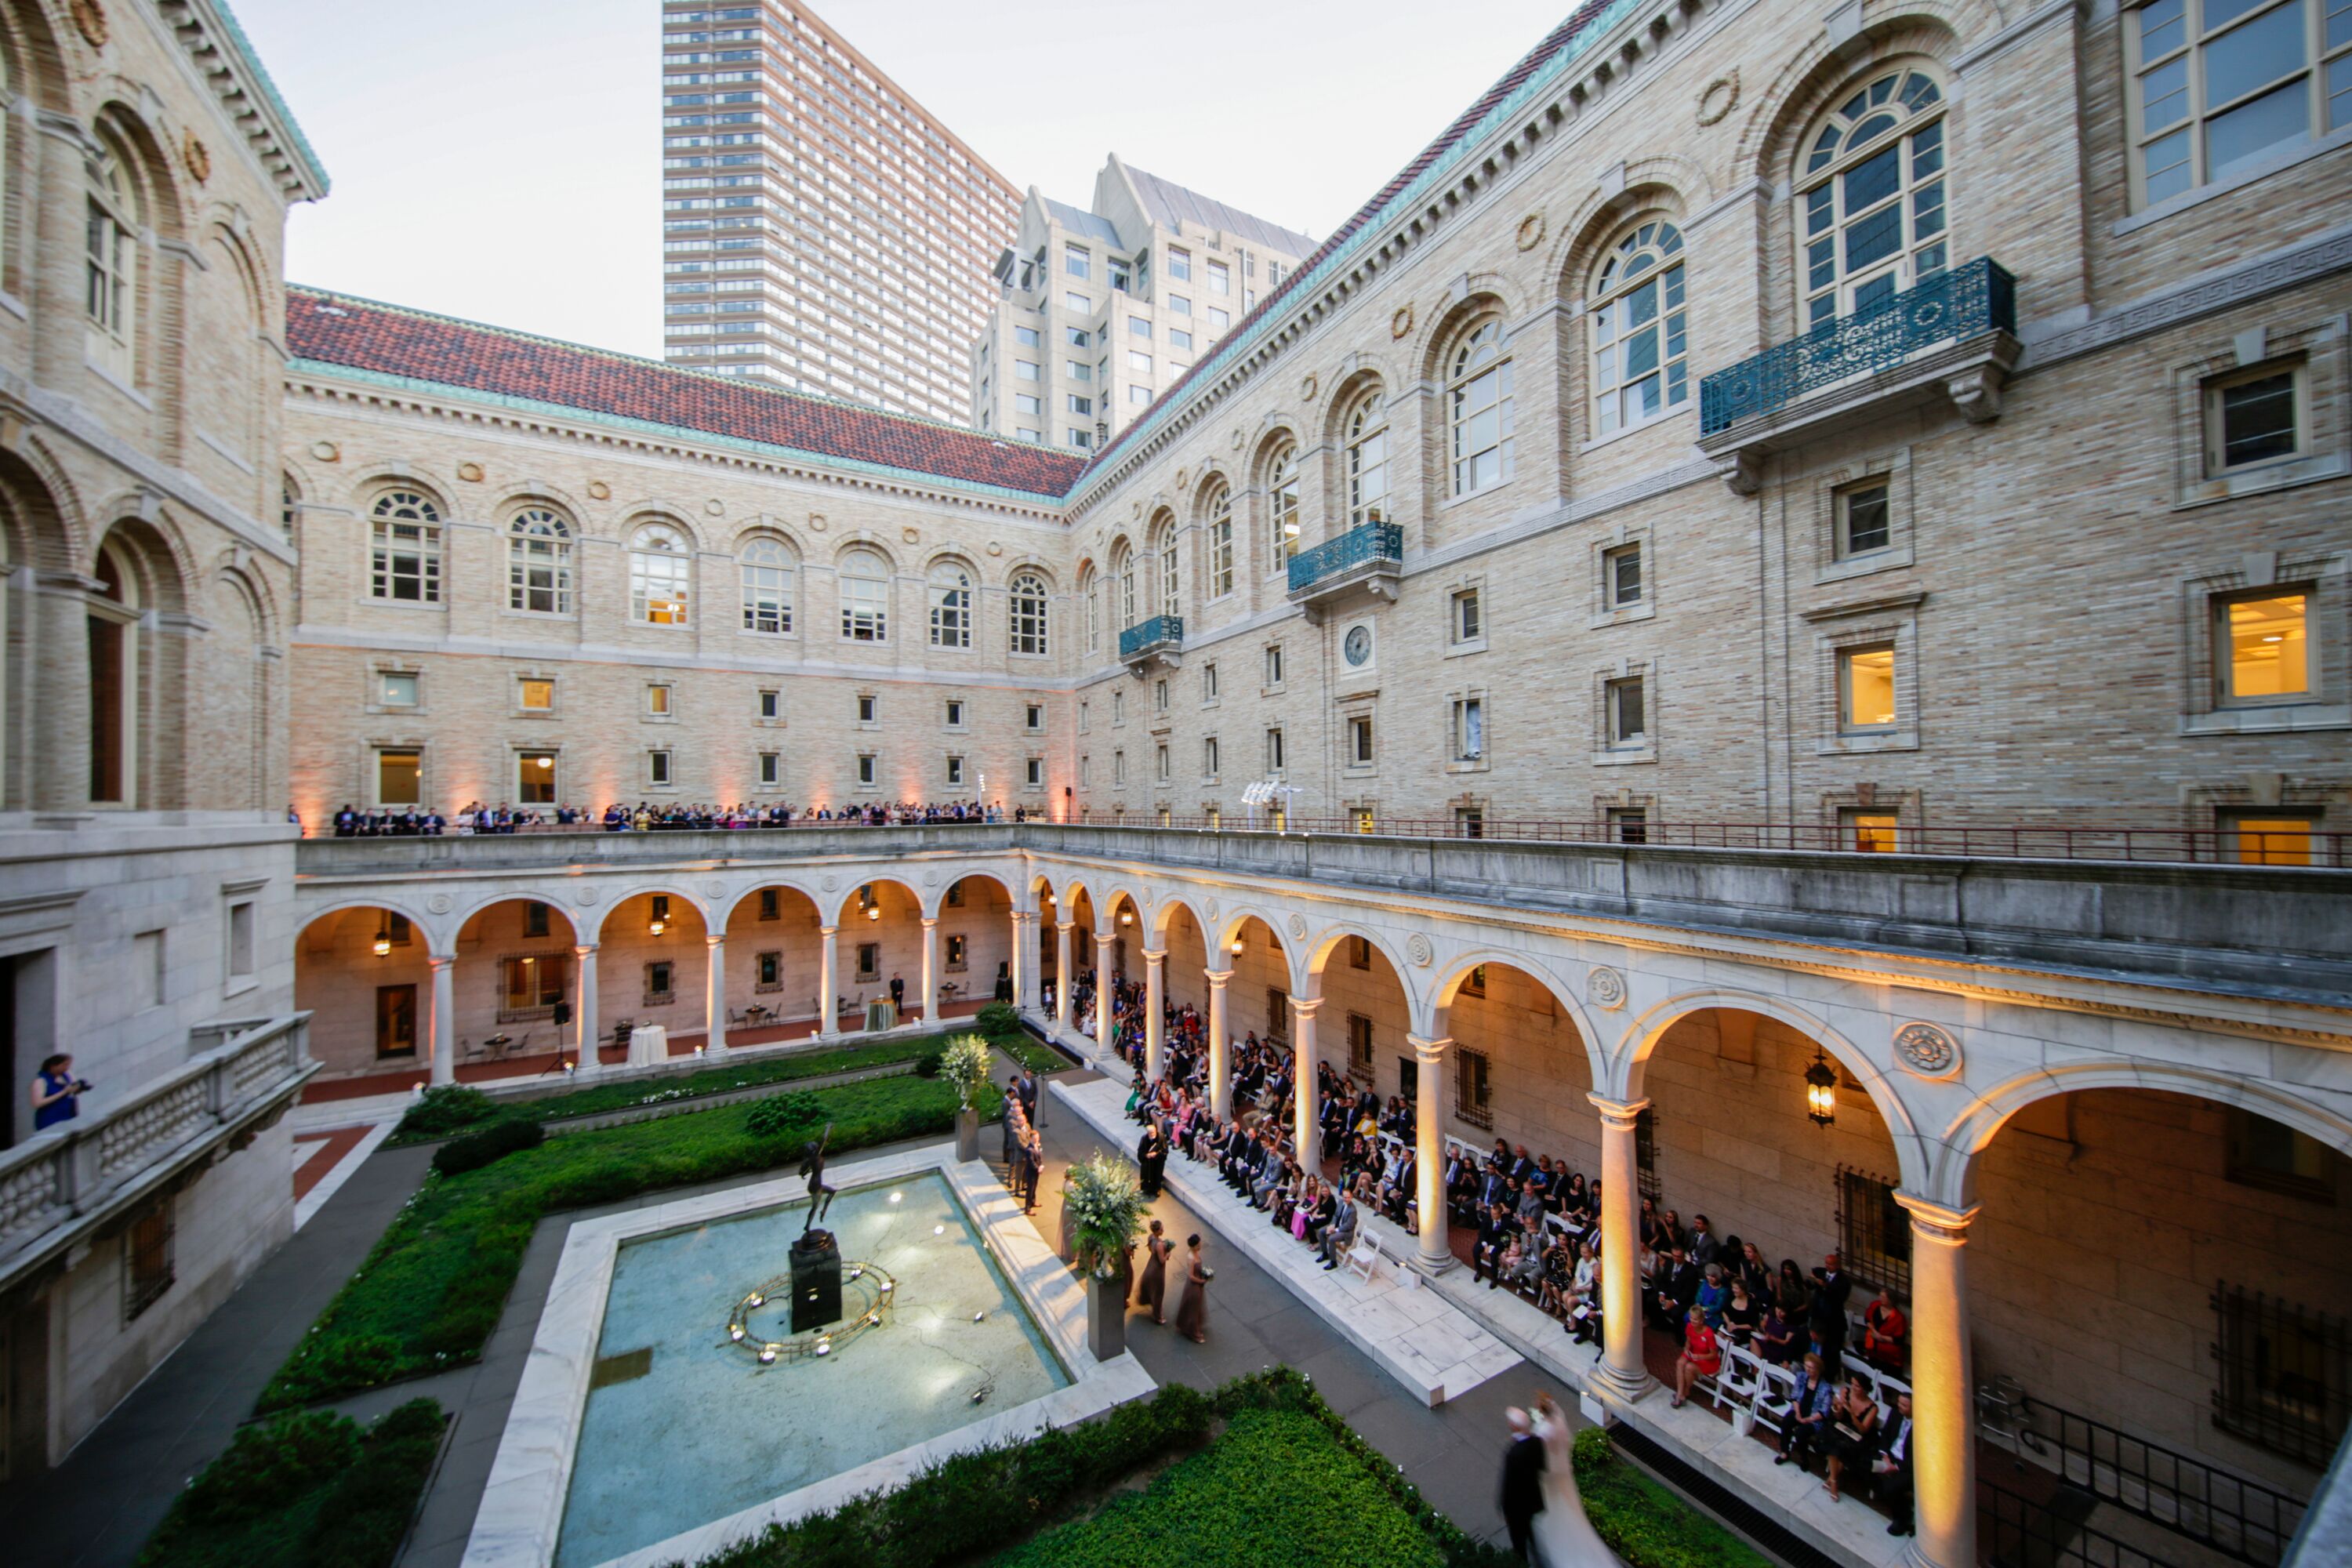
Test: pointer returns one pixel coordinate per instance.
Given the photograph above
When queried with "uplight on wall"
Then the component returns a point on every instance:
(1238, 946)
(382, 942)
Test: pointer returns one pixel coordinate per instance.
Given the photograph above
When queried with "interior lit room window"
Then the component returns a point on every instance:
(1866, 688)
(2263, 640)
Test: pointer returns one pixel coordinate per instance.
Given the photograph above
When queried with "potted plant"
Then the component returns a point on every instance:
(1105, 1204)
(965, 1064)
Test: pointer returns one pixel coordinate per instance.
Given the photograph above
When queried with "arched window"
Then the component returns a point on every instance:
(1870, 197)
(950, 605)
(1368, 460)
(539, 562)
(865, 597)
(289, 496)
(1171, 587)
(404, 548)
(1282, 509)
(1640, 339)
(1124, 569)
(113, 636)
(111, 258)
(767, 570)
(1089, 594)
(1478, 408)
(661, 569)
(1221, 543)
(1028, 612)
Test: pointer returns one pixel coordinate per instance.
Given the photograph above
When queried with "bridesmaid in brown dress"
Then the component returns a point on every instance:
(1152, 1286)
(1193, 1310)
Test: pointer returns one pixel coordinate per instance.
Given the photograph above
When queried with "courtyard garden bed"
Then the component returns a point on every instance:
(432, 1289)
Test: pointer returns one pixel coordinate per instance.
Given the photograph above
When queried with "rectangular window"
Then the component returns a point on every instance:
(530, 984)
(399, 778)
(1469, 729)
(1273, 665)
(1862, 523)
(1620, 575)
(868, 707)
(2271, 1155)
(770, 704)
(1161, 767)
(147, 1265)
(1025, 402)
(1471, 1104)
(1078, 302)
(772, 904)
(1221, 279)
(1138, 327)
(2270, 838)
(1470, 821)
(1629, 825)
(534, 919)
(1027, 338)
(1209, 756)
(399, 690)
(1360, 953)
(661, 982)
(1160, 695)
(1036, 778)
(1873, 1233)
(1274, 750)
(1179, 340)
(1209, 682)
(1079, 405)
(1870, 832)
(768, 972)
(1628, 718)
(2219, 85)
(1179, 306)
(657, 701)
(1866, 688)
(1469, 622)
(1024, 369)
(535, 695)
(1138, 362)
(657, 769)
(395, 1022)
(1359, 740)
(1079, 438)
(1120, 276)
(1075, 260)
(1363, 818)
(866, 768)
(535, 778)
(1219, 319)
(869, 962)
(1076, 371)
(959, 952)
(955, 770)
(772, 770)
(1179, 264)
(2285, 1376)
(2254, 417)
(1119, 769)
(1036, 718)
(1359, 1045)
(1138, 395)
(955, 712)
(1077, 337)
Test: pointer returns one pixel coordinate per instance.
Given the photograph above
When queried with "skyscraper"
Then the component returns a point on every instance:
(820, 229)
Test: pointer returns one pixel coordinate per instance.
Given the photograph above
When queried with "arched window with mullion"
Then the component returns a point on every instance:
(950, 595)
(1171, 585)
(539, 562)
(404, 548)
(1640, 339)
(767, 569)
(111, 259)
(661, 569)
(865, 597)
(1282, 509)
(1478, 408)
(1123, 569)
(1221, 543)
(1027, 601)
(1871, 198)
(1367, 461)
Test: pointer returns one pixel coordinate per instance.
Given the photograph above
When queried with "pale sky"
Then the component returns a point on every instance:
(500, 159)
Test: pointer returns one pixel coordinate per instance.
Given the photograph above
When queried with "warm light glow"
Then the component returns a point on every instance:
(1821, 1092)
(656, 925)
(1237, 944)
(2269, 653)
(896, 1196)
(1869, 688)
(1127, 917)
(873, 911)
(383, 945)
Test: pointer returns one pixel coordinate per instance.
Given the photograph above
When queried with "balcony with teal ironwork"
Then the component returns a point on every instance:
(1368, 558)
(1951, 337)
(1161, 638)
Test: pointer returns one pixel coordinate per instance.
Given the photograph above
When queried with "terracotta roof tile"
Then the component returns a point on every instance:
(362, 335)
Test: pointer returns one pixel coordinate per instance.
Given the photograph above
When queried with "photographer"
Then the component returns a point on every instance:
(57, 1093)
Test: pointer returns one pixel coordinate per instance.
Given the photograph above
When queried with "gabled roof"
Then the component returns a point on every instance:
(1172, 204)
(386, 342)
(1078, 220)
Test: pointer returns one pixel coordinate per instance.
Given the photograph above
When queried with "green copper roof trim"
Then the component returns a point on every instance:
(1042, 500)
(303, 153)
(1537, 82)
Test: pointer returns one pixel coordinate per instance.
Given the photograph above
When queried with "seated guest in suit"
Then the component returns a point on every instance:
(1890, 1473)
(1339, 1234)
(1494, 1232)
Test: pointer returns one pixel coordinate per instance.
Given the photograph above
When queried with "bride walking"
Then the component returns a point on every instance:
(1564, 1537)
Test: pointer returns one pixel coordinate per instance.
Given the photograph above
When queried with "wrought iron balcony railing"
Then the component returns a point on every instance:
(1158, 629)
(1361, 545)
(1975, 298)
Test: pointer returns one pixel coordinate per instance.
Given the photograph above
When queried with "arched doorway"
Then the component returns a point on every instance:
(775, 951)
(652, 967)
(364, 976)
(879, 954)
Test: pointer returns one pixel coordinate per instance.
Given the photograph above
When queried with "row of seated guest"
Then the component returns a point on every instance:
(1845, 1426)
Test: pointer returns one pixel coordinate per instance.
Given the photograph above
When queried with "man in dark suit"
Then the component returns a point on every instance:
(1675, 1282)
(1027, 1089)
(1890, 1472)
(1827, 1320)
(1522, 1498)
(898, 993)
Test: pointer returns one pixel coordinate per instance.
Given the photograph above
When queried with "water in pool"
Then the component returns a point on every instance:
(698, 1429)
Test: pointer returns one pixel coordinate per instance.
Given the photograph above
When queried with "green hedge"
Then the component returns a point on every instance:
(431, 1291)
(489, 1146)
(306, 1491)
(1646, 1524)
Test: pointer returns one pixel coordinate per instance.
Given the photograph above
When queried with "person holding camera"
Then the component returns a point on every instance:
(57, 1093)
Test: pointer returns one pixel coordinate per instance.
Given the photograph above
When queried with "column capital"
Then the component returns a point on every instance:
(1618, 1112)
(1104, 937)
(1305, 1006)
(828, 931)
(1217, 977)
(1428, 1050)
(714, 938)
(1066, 927)
(1155, 955)
(440, 960)
(1022, 917)
(583, 950)
(930, 921)
(1940, 1221)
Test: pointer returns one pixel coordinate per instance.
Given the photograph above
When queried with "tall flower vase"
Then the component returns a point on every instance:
(967, 1134)
(1106, 1315)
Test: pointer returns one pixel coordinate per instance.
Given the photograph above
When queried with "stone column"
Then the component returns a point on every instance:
(1943, 1416)
(443, 1028)
(714, 1007)
(1030, 934)
(1018, 967)
(931, 968)
(1062, 930)
(1155, 1014)
(1102, 991)
(1302, 1073)
(583, 1013)
(1436, 1254)
(1221, 1071)
(1619, 1371)
(828, 1025)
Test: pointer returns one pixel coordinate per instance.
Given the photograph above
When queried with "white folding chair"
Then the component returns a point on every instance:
(1363, 1257)
(1776, 1398)
(1742, 1375)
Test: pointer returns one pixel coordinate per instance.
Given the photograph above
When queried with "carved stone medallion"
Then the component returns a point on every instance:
(1531, 231)
(1299, 928)
(440, 903)
(1927, 1050)
(1417, 947)
(1401, 323)
(1605, 987)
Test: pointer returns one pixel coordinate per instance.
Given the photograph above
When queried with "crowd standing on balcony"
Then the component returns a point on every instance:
(427, 822)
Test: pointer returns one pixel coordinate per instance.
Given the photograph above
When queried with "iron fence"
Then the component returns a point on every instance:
(2236, 1517)
(2015, 1532)
(1158, 629)
(2284, 1374)
(1361, 545)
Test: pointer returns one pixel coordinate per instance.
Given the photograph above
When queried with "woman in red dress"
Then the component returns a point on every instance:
(1702, 1356)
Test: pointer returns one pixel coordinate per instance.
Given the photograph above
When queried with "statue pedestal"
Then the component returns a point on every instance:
(816, 1281)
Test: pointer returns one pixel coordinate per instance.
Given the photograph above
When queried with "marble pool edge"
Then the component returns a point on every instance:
(521, 1509)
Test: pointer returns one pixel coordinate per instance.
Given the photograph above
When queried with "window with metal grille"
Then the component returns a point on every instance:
(1277, 1015)
(1470, 1102)
(1645, 1155)
(2285, 1374)
(1873, 1233)
(147, 1259)
(1360, 1047)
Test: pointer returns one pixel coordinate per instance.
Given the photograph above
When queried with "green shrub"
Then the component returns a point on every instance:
(927, 1065)
(998, 1018)
(268, 1466)
(779, 1115)
(367, 1513)
(492, 1143)
(1646, 1524)
(438, 1112)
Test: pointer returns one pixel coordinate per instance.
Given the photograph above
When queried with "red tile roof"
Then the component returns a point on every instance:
(360, 334)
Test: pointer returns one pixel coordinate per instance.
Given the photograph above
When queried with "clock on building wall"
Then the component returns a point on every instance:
(1357, 645)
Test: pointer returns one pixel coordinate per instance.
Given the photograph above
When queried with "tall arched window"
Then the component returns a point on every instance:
(1171, 587)
(864, 596)
(539, 562)
(1027, 600)
(113, 619)
(1870, 197)
(1478, 408)
(110, 261)
(661, 569)
(1366, 442)
(767, 569)
(1090, 595)
(1640, 339)
(1282, 509)
(404, 548)
(1221, 543)
(950, 605)
(1124, 569)
(289, 495)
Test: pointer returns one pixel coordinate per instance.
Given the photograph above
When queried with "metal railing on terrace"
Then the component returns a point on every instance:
(1146, 634)
(1362, 545)
(1975, 298)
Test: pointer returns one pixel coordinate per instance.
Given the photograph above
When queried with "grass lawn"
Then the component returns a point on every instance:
(431, 1291)
(1029, 1052)
(1644, 1524)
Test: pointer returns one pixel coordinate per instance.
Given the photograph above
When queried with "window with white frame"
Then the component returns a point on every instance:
(1870, 197)
(951, 596)
(1124, 569)
(865, 597)
(2216, 86)
(1273, 665)
(539, 562)
(1367, 461)
(1282, 507)
(1469, 729)
(1621, 576)
(1478, 408)
(866, 769)
(1641, 342)
(1466, 617)
(1209, 756)
(1864, 520)
(657, 769)
(660, 566)
(404, 548)
(1089, 596)
(2254, 415)
(767, 570)
(771, 769)
(1027, 605)
(1171, 586)
(111, 259)
(1221, 544)
(1626, 704)
(1209, 682)
(1036, 773)
(1360, 740)
(1162, 766)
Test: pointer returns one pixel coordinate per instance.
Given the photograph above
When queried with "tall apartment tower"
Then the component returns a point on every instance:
(1102, 309)
(820, 228)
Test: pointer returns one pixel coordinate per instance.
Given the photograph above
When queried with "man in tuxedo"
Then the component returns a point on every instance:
(1827, 1318)
(1340, 1234)
(1890, 1472)
(898, 993)
(1706, 1246)
(1674, 1286)
(1523, 1468)
(1497, 1188)
(1493, 1234)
